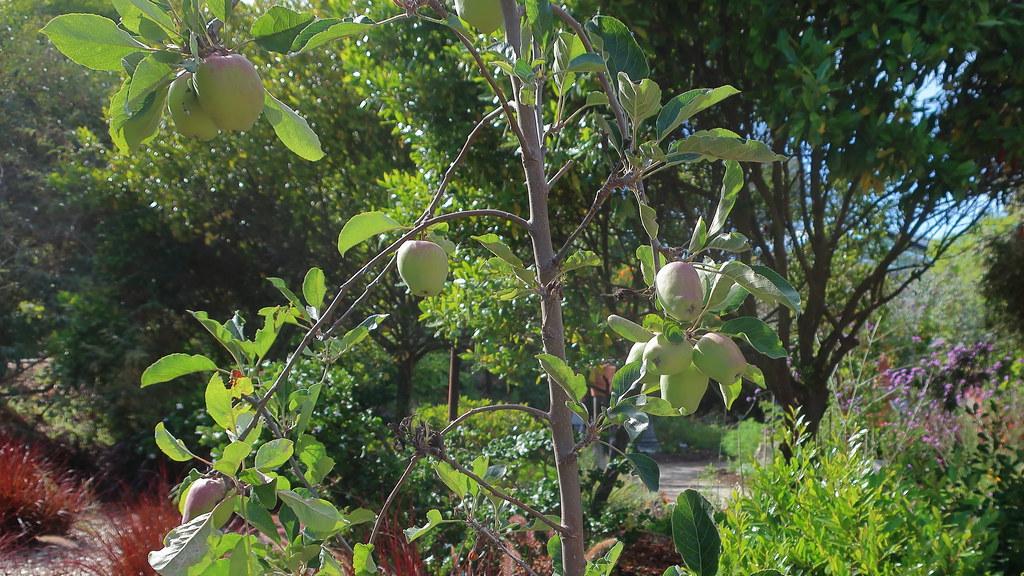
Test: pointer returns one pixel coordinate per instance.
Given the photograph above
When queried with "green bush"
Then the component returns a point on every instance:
(829, 510)
(740, 444)
(679, 435)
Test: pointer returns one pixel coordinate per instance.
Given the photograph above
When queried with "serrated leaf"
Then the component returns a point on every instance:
(218, 403)
(292, 130)
(649, 219)
(172, 447)
(150, 75)
(455, 480)
(680, 108)
(587, 62)
(754, 374)
(645, 254)
(91, 40)
(758, 285)
(695, 534)
(232, 457)
(175, 365)
(187, 544)
(362, 560)
(363, 226)
(497, 247)
(730, 242)
(580, 259)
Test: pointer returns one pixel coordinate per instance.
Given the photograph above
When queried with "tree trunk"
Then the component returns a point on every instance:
(454, 384)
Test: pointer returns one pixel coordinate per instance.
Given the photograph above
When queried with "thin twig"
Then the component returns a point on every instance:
(391, 497)
(326, 317)
(495, 491)
(482, 66)
(536, 413)
(504, 549)
(602, 194)
(561, 172)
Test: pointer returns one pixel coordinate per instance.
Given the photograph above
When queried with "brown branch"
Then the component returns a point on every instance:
(602, 194)
(391, 497)
(501, 545)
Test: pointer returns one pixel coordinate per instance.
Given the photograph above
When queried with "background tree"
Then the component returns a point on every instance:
(882, 108)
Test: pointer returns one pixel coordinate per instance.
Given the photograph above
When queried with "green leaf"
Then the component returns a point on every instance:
(732, 183)
(657, 407)
(540, 17)
(313, 456)
(493, 243)
(645, 254)
(277, 28)
(625, 377)
(580, 259)
(754, 374)
(232, 457)
(356, 335)
(640, 100)
(257, 516)
(628, 329)
(649, 219)
(189, 543)
(174, 365)
(292, 130)
(314, 288)
(568, 47)
(587, 62)
(315, 514)
(790, 295)
(760, 335)
(323, 31)
(647, 469)
(274, 453)
(733, 298)
(455, 480)
(603, 566)
(730, 391)
(574, 384)
(716, 144)
(621, 51)
(758, 285)
(699, 238)
(218, 403)
(730, 242)
(434, 519)
(129, 132)
(694, 533)
(362, 560)
(174, 449)
(150, 75)
(680, 108)
(221, 8)
(363, 226)
(91, 41)
(283, 288)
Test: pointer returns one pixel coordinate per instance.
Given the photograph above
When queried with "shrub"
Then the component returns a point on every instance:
(36, 495)
(741, 443)
(828, 510)
(681, 435)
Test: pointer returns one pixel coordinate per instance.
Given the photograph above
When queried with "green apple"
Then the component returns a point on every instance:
(680, 291)
(719, 357)
(484, 15)
(189, 117)
(230, 91)
(663, 356)
(684, 389)
(423, 266)
(203, 496)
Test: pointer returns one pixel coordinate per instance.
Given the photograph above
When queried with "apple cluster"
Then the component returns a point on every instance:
(225, 93)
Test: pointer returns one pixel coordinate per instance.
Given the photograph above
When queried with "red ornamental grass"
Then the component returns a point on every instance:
(123, 538)
(36, 495)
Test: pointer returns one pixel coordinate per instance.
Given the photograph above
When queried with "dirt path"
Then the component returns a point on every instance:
(678, 474)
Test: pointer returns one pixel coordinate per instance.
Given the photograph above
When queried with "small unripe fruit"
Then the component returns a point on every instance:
(203, 496)
(663, 356)
(230, 91)
(719, 357)
(189, 117)
(684, 389)
(423, 266)
(680, 291)
(484, 15)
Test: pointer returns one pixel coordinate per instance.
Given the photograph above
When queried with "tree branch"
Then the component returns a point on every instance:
(391, 497)
(536, 413)
(501, 545)
(602, 194)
